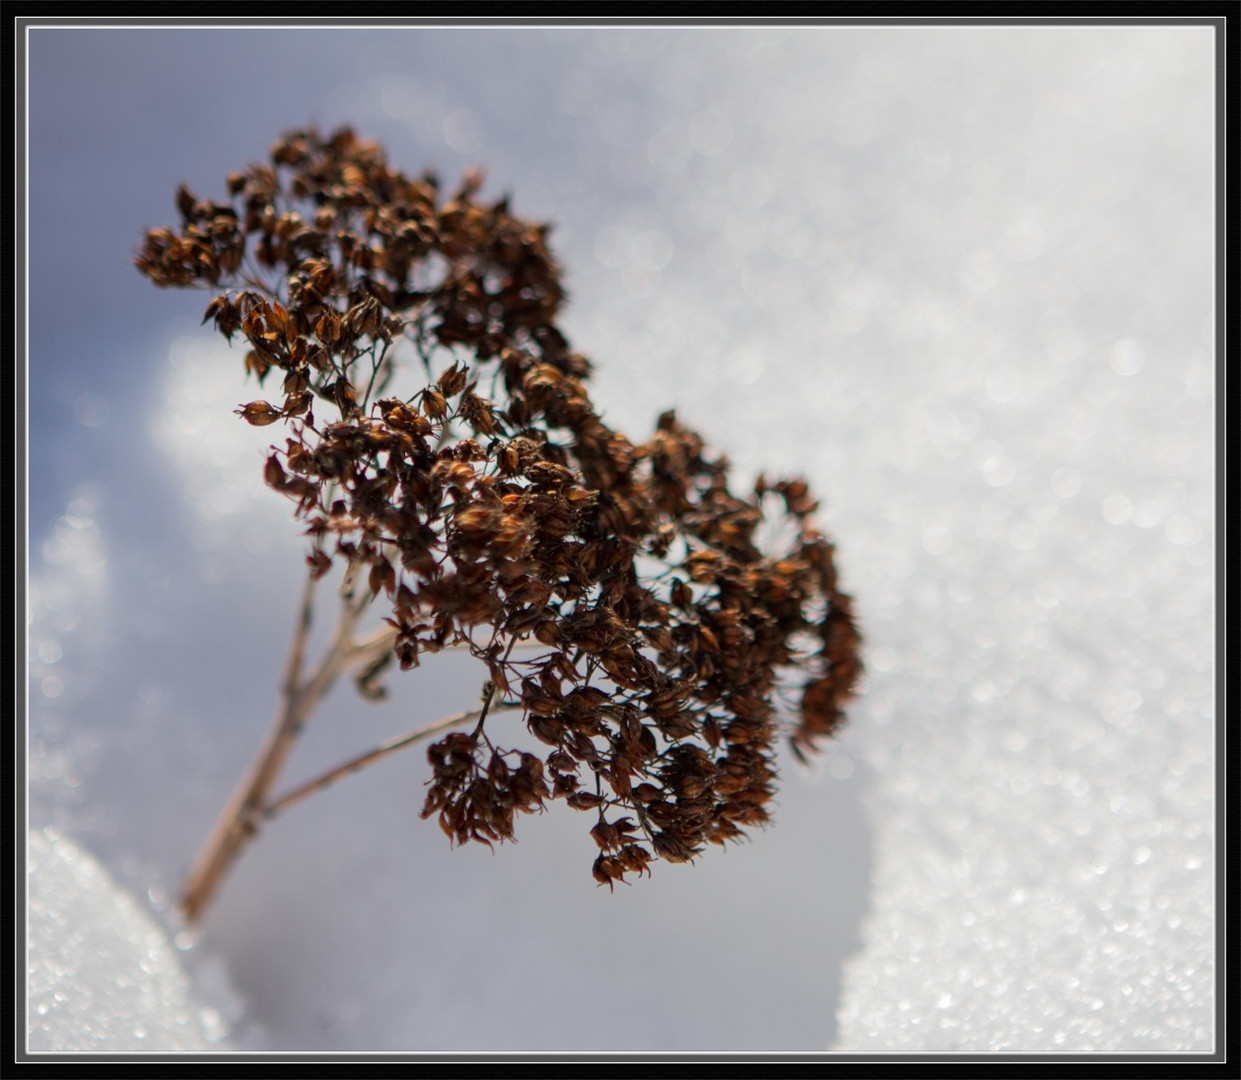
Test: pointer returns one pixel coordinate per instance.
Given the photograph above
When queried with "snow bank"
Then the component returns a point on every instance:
(101, 973)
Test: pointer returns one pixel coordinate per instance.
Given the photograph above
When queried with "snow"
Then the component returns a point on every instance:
(101, 973)
(961, 277)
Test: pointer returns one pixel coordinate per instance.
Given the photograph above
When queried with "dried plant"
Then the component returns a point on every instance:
(617, 593)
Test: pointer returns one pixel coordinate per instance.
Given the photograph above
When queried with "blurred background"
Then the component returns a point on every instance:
(960, 277)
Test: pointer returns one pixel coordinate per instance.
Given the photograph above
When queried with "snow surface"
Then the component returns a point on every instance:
(960, 277)
(101, 973)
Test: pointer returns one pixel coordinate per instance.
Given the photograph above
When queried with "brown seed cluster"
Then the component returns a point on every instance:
(493, 507)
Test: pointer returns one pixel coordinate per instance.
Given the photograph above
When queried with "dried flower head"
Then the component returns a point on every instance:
(493, 507)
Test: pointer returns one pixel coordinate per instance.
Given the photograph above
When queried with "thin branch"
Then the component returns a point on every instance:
(375, 369)
(372, 647)
(490, 691)
(235, 826)
(304, 791)
(301, 634)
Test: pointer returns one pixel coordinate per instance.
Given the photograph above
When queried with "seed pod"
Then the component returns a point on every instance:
(259, 413)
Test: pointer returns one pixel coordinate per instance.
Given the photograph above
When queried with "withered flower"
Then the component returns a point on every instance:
(492, 507)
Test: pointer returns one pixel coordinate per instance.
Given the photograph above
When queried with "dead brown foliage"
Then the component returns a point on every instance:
(494, 506)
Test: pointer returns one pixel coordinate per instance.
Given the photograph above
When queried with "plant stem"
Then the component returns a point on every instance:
(236, 824)
(300, 695)
(278, 806)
